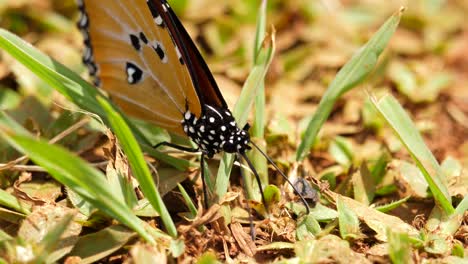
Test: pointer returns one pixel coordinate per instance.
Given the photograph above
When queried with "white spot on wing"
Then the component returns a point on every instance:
(179, 55)
(130, 72)
(83, 20)
(158, 20)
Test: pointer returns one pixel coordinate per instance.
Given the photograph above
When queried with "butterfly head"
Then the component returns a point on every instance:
(215, 131)
(238, 141)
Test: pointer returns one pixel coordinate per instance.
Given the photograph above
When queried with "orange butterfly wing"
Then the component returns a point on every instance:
(135, 60)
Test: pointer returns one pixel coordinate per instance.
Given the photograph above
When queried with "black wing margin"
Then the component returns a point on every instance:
(202, 78)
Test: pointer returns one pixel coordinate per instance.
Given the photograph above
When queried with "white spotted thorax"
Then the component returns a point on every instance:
(215, 131)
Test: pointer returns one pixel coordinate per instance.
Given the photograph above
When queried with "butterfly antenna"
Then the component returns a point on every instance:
(205, 191)
(284, 176)
(257, 177)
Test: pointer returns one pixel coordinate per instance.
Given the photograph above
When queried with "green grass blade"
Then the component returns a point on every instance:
(138, 164)
(390, 206)
(4, 237)
(254, 80)
(402, 125)
(6, 199)
(11, 202)
(258, 126)
(348, 221)
(399, 247)
(363, 185)
(354, 72)
(462, 206)
(243, 107)
(188, 201)
(76, 174)
(260, 31)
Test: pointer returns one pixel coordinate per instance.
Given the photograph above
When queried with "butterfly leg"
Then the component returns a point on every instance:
(179, 147)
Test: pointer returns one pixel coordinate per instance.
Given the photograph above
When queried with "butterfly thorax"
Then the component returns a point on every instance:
(215, 131)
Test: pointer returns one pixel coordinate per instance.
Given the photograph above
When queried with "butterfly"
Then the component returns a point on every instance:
(139, 52)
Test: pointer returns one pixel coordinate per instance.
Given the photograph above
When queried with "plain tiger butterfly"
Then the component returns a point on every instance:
(140, 53)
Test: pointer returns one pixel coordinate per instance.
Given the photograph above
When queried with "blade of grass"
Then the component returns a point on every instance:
(307, 228)
(402, 125)
(258, 128)
(399, 247)
(379, 168)
(188, 201)
(388, 207)
(348, 221)
(243, 106)
(4, 236)
(138, 164)
(257, 132)
(255, 79)
(12, 202)
(353, 73)
(363, 185)
(462, 206)
(71, 85)
(76, 174)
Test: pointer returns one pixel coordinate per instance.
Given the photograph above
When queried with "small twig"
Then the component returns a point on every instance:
(457, 115)
(14, 167)
(12, 163)
(69, 130)
(155, 171)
